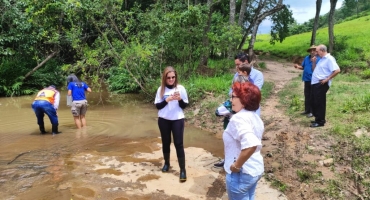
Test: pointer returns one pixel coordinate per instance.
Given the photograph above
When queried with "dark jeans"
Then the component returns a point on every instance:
(44, 107)
(307, 97)
(177, 129)
(319, 101)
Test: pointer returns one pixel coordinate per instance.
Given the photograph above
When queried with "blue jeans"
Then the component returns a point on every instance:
(44, 107)
(240, 186)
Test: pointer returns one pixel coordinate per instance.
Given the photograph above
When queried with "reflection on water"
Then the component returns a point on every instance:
(27, 156)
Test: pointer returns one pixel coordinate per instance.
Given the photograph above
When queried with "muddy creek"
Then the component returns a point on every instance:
(121, 133)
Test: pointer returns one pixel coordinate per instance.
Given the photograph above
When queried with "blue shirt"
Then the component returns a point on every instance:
(78, 93)
(307, 68)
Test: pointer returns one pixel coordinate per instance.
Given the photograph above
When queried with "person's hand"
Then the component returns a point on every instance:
(313, 59)
(234, 169)
(177, 96)
(169, 98)
(295, 66)
(324, 81)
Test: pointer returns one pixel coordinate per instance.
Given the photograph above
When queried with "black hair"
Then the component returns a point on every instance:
(242, 57)
(73, 78)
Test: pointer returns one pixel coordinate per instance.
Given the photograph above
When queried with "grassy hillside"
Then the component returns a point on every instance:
(352, 44)
(348, 105)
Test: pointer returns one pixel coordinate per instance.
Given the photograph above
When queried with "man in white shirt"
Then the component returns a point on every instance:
(326, 69)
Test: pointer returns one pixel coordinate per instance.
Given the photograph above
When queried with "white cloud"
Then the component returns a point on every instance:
(303, 12)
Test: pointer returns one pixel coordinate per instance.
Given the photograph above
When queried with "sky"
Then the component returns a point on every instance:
(303, 10)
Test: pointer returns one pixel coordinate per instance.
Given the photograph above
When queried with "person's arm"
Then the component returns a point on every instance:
(332, 75)
(298, 66)
(244, 155)
(69, 92)
(88, 89)
(259, 80)
(161, 105)
(56, 100)
(182, 104)
(314, 61)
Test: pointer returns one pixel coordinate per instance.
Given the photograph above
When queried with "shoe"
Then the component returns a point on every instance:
(305, 113)
(220, 164)
(313, 122)
(54, 128)
(166, 168)
(314, 125)
(182, 169)
(309, 115)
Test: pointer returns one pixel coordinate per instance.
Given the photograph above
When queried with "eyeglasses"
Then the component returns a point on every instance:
(171, 77)
(233, 96)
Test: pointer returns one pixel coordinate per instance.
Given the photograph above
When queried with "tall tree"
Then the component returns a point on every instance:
(243, 8)
(204, 57)
(333, 3)
(316, 22)
(257, 12)
(232, 22)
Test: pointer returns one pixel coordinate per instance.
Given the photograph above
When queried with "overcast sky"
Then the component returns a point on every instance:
(303, 10)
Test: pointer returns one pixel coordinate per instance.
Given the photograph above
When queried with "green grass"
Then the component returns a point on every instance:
(352, 44)
(347, 110)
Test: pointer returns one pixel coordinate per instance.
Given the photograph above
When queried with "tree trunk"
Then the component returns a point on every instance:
(231, 22)
(333, 3)
(257, 19)
(252, 41)
(204, 57)
(40, 65)
(316, 22)
(242, 12)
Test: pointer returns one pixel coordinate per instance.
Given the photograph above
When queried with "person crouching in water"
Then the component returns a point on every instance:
(47, 102)
(170, 100)
(76, 89)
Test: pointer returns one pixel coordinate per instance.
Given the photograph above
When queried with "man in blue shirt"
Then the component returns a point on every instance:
(307, 67)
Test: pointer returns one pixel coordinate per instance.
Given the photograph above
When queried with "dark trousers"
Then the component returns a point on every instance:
(40, 108)
(319, 101)
(177, 129)
(307, 97)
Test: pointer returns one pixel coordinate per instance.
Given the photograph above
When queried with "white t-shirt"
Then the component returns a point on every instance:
(244, 130)
(172, 111)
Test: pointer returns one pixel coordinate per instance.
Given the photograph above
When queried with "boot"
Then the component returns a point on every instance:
(55, 129)
(166, 165)
(182, 169)
(42, 129)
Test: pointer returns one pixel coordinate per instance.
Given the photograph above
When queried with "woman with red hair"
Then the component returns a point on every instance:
(242, 141)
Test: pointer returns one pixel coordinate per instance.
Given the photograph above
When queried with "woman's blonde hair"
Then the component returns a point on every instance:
(164, 78)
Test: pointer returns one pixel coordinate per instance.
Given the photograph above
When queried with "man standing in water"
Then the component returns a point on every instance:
(47, 102)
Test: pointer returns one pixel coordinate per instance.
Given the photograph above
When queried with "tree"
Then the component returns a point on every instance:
(257, 12)
(232, 22)
(316, 22)
(204, 57)
(333, 3)
(281, 21)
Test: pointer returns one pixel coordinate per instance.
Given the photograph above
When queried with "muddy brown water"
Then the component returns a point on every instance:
(116, 126)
